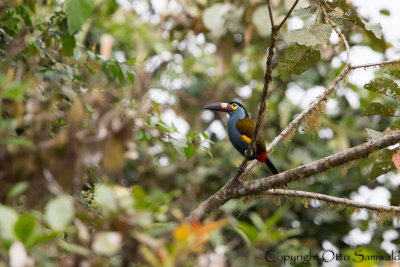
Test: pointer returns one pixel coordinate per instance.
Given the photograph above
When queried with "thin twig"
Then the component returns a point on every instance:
(336, 29)
(271, 17)
(332, 199)
(287, 15)
(52, 185)
(378, 64)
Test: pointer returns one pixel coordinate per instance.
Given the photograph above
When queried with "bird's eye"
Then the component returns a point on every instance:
(234, 106)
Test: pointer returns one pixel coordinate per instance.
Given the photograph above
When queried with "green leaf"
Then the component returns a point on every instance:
(380, 168)
(59, 212)
(304, 12)
(14, 91)
(336, 18)
(189, 151)
(384, 86)
(78, 11)
(392, 70)
(8, 218)
(68, 45)
(250, 231)
(395, 124)
(375, 28)
(297, 59)
(257, 221)
(105, 198)
(274, 219)
(132, 61)
(316, 34)
(116, 71)
(140, 198)
(378, 109)
(205, 136)
(24, 228)
(372, 134)
(17, 141)
(17, 189)
(385, 12)
(130, 73)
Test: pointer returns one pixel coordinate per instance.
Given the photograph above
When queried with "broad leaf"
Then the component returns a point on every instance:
(384, 164)
(261, 21)
(8, 217)
(78, 11)
(316, 34)
(68, 45)
(304, 12)
(395, 124)
(375, 28)
(105, 198)
(297, 59)
(378, 109)
(336, 18)
(59, 212)
(189, 151)
(380, 168)
(140, 198)
(392, 70)
(384, 86)
(107, 243)
(14, 91)
(25, 229)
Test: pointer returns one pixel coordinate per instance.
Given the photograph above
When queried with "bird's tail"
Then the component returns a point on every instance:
(271, 166)
(273, 169)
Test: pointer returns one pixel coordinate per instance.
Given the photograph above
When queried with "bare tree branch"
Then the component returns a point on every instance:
(237, 189)
(287, 15)
(271, 17)
(378, 64)
(332, 199)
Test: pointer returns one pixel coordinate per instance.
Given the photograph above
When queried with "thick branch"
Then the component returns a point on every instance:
(332, 199)
(239, 189)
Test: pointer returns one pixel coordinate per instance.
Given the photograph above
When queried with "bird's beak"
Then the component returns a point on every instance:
(219, 106)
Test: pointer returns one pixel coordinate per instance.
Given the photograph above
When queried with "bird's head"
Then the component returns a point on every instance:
(232, 108)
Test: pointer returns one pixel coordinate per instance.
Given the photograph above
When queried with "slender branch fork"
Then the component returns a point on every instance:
(235, 188)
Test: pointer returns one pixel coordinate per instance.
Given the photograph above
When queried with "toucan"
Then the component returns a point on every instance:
(241, 129)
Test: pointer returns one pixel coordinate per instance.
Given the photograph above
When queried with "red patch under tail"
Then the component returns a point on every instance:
(262, 157)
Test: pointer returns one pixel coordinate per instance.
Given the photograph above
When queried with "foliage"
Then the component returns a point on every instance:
(103, 143)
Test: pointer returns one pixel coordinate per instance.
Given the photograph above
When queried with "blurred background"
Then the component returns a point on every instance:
(105, 147)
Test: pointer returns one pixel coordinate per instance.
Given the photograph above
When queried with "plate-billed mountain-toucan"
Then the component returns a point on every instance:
(241, 129)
